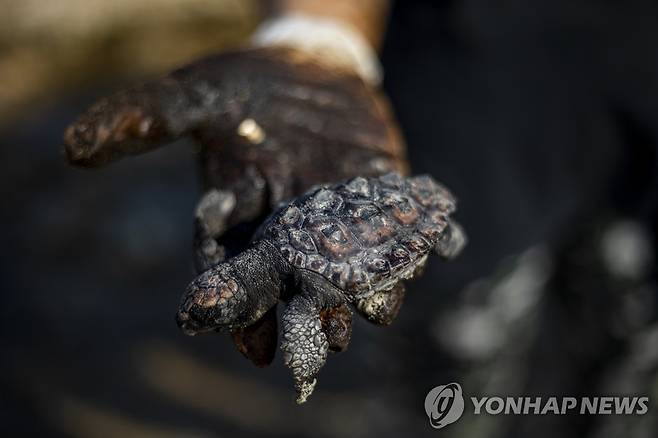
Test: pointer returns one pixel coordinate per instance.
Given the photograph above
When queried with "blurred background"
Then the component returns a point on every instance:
(542, 116)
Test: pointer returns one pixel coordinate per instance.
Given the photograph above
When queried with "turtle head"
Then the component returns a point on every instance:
(215, 300)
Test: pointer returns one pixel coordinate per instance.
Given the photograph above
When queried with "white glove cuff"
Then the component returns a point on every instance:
(331, 40)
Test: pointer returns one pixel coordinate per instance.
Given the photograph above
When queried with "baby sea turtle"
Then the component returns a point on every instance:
(348, 243)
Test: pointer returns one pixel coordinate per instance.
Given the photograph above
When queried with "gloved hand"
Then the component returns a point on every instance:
(271, 123)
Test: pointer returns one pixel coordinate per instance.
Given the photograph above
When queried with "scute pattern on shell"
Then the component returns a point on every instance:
(363, 235)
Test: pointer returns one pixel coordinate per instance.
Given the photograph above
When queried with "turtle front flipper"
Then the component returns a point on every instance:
(304, 344)
(316, 321)
(383, 306)
(452, 241)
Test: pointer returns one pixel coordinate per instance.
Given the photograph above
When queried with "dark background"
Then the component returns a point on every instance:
(542, 116)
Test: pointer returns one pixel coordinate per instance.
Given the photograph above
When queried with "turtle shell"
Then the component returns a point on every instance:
(365, 234)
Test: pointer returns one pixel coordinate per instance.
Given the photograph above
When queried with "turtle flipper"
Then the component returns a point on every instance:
(451, 242)
(211, 219)
(304, 344)
(383, 306)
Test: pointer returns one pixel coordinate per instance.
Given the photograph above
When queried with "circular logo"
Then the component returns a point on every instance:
(444, 405)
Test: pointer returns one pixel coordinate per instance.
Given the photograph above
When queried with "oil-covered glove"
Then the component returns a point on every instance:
(271, 122)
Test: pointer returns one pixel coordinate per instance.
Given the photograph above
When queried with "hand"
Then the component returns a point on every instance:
(271, 122)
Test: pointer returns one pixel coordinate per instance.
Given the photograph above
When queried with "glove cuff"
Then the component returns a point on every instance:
(331, 40)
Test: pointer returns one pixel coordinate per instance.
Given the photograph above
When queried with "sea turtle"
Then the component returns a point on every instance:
(347, 243)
